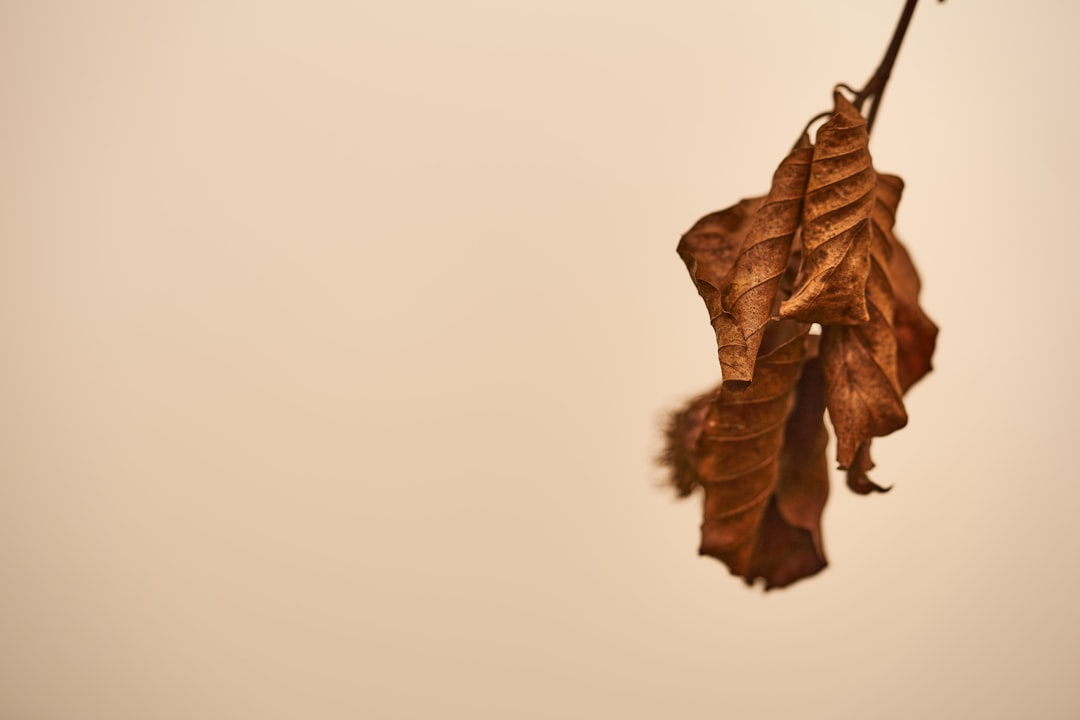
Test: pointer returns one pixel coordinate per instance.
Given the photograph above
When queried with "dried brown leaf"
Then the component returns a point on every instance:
(819, 248)
(749, 289)
(857, 478)
(836, 224)
(683, 432)
(864, 395)
(916, 334)
(789, 545)
(759, 454)
(711, 246)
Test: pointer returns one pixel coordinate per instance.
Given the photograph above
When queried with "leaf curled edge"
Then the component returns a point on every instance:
(916, 333)
(860, 361)
(839, 198)
(790, 546)
(759, 455)
(749, 290)
(710, 247)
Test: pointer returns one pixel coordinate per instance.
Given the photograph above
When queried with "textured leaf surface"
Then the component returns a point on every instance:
(749, 290)
(836, 224)
(711, 246)
(759, 454)
(864, 395)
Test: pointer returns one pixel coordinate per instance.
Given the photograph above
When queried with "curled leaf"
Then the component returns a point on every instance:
(790, 547)
(711, 246)
(863, 390)
(819, 248)
(836, 224)
(683, 432)
(749, 289)
(759, 454)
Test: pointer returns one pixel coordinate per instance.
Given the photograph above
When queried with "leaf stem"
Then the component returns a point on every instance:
(875, 87)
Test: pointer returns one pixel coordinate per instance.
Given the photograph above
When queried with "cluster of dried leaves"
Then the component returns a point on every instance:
(819, 248)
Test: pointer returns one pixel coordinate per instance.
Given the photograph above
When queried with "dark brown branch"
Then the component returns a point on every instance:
(875, 87)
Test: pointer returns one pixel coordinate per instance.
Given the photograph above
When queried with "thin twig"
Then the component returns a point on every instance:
(875, 87)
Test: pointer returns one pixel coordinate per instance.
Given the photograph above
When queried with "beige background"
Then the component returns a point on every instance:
(337, 336)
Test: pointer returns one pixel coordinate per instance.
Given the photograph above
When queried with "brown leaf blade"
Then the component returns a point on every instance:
(916, 333)
(860, 361)
(760, 457)
(789, 546)
(839, 199)
(710, 247)
(857, 478)
(819, 248)
(749, 289)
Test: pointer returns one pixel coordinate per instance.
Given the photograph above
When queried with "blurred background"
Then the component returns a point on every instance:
(338, 336)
